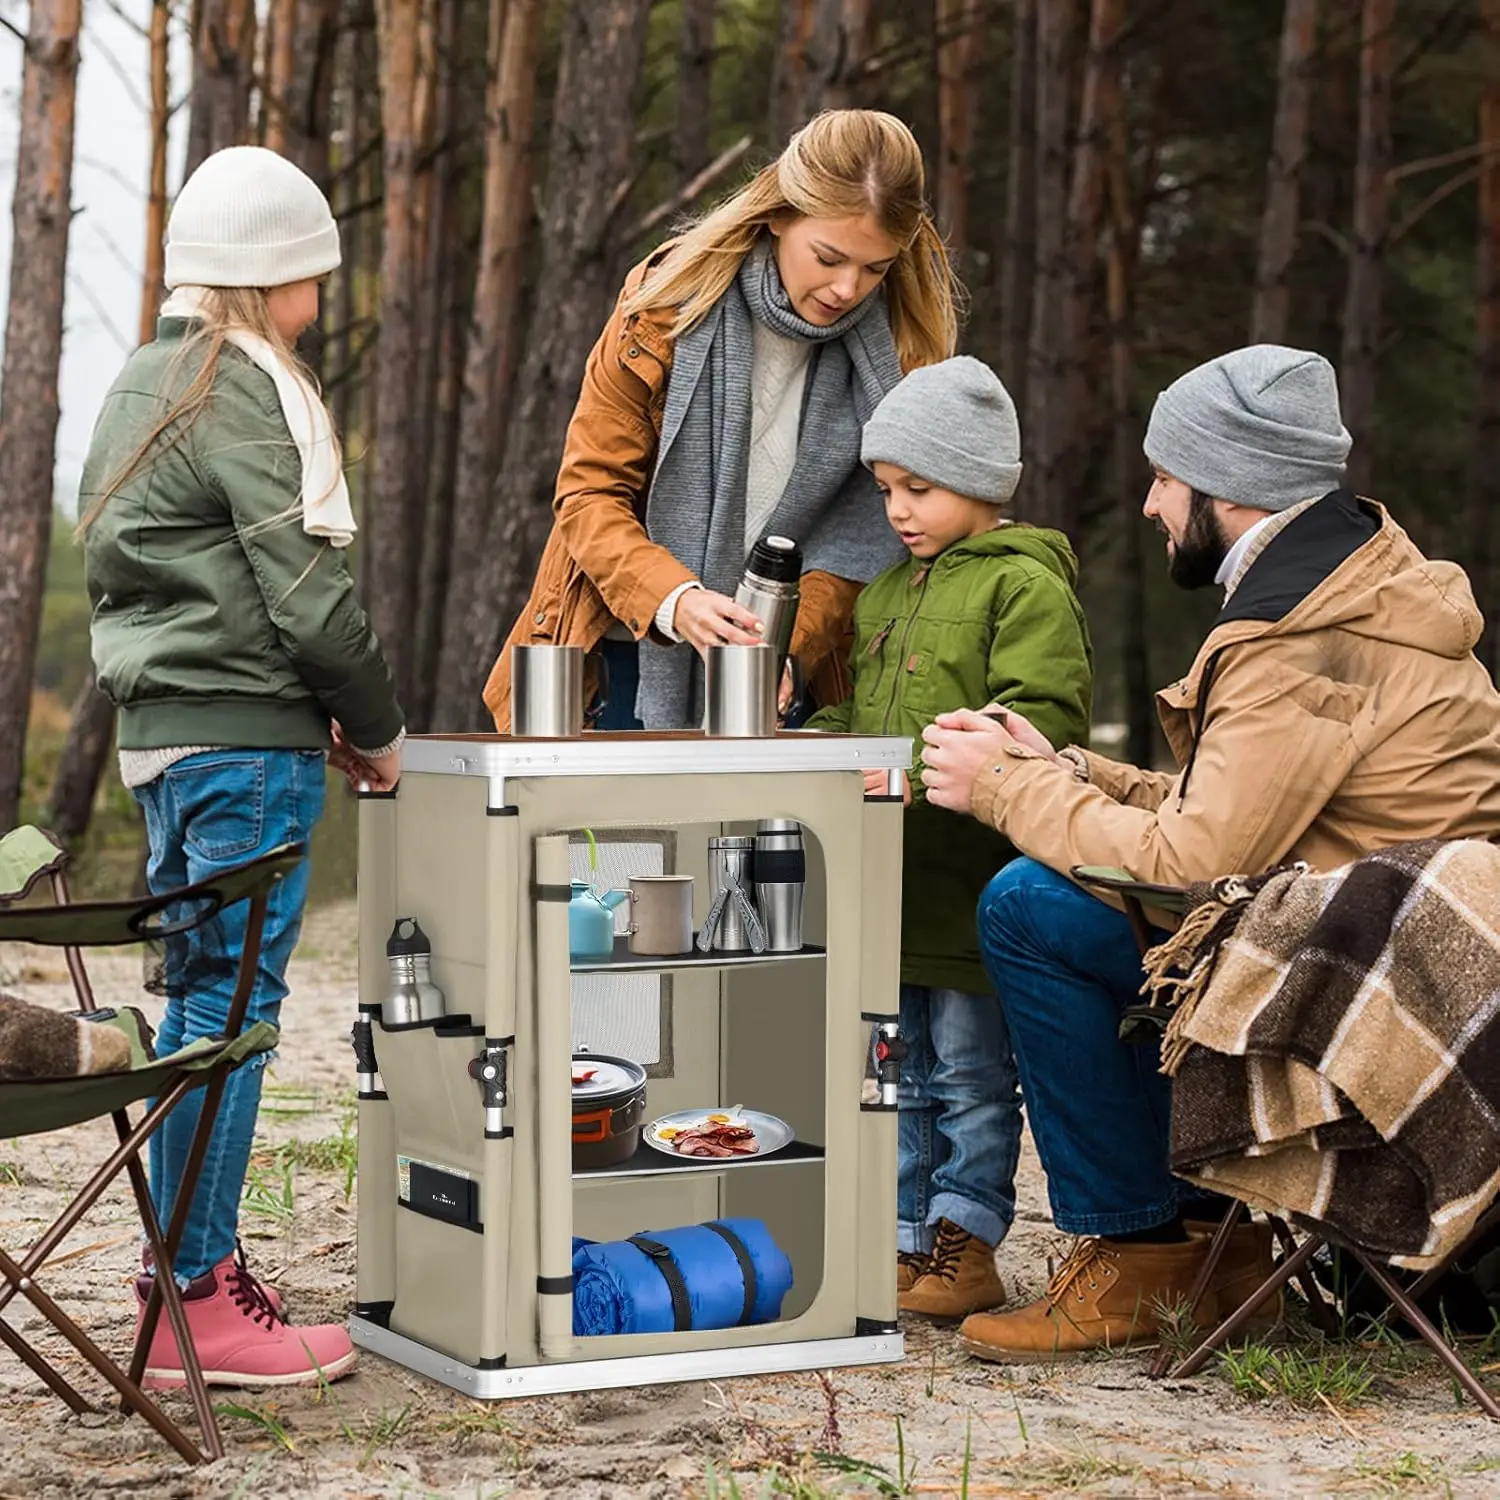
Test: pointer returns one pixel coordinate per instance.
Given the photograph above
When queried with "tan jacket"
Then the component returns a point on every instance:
(1359, 719)
(599, 565)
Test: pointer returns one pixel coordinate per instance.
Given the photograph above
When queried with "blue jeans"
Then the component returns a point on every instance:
(1065, 966)
(959, 1126)
(204, 815)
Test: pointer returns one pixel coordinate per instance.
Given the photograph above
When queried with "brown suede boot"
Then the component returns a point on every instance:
(960, 1278)
(909, 1265)
(1104, 1296)
(1246, 1263)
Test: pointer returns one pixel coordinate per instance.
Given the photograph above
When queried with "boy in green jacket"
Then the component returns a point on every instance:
(981, 613)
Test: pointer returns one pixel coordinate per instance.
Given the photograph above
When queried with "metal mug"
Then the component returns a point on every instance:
(546, 692)
(661, 914)
(740, 691)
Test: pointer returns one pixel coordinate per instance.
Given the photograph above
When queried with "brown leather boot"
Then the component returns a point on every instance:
(1247, 1261)
(1105, 1295)
(960, 1278)
(909, 1265)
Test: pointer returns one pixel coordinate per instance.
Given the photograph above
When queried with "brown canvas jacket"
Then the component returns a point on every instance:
(599, 565)
(1358, 720)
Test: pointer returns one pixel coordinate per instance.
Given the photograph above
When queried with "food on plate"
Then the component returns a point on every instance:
(716, 1135)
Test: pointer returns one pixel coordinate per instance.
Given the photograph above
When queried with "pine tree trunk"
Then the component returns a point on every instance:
(40, 215)
(1485, 483)
(589, 164)
(692, 129)
(1270, 311)
(960, 57)
(1044, 501)
(223, 72)
(395, 512)
(494, 340)
(282, 23)
(1018, 251)
(1372, 198)
(441, 132)
(156, 195)
(810, 70)
(307, 98)
(85, 753)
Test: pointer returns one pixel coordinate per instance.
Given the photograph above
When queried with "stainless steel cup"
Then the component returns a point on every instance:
(661, 914)
(740, 692)
(546, 691)
(731, 866)
(780, 882)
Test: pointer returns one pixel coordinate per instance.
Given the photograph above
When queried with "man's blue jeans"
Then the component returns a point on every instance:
(1065, 966)
(959, 1126)
(206, 814)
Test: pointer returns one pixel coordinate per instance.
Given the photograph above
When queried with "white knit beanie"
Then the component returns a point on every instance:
(249, 217)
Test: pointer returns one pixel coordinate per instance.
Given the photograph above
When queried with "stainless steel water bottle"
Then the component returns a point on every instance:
(771, 589)
(412, 996)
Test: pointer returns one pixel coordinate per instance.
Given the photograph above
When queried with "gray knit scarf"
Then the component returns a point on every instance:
(696, 507)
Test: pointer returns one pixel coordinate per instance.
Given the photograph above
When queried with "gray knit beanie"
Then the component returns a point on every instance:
(1260, 427)
(952, 424)
(249, 217)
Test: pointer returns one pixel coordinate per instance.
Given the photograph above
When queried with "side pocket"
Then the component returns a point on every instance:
(221, 801)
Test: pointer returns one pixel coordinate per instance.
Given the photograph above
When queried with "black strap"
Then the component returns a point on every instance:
(747, 1266)
(661, 1258)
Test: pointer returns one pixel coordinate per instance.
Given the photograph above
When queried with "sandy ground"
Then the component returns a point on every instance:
(1098, 1428)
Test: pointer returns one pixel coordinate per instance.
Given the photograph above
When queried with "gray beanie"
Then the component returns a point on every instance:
(1260, 427)
(952, 424)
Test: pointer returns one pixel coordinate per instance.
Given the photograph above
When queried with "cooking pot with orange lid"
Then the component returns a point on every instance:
(609, 1104)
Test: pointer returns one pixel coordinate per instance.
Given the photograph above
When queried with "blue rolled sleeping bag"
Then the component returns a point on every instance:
(716, 1275)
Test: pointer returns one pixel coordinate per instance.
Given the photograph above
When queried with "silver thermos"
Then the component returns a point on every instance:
(412, 996)
(771, 588)
(780, 880)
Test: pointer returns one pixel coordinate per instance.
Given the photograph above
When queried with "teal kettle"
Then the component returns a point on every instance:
(591, 920)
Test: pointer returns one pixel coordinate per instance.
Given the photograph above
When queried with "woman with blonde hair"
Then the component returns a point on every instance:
(724, 401)
(227, 633)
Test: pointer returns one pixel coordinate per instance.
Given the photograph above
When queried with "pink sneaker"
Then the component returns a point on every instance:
(148, 1265)
(240, 1338)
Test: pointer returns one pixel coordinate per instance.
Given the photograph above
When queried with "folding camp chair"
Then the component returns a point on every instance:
(36, 1106)
(1137, 896)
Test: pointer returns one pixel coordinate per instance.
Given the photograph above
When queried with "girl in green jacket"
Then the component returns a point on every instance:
(981, 612)
(227, 633)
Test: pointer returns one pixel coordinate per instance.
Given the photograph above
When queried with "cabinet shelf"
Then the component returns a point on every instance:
(648, 1162)
(623, 961)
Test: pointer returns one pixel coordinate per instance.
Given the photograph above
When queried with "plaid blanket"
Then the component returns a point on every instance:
(1336, 1045)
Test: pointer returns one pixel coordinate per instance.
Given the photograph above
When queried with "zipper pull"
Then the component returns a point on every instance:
(920, 576)
(879, 638)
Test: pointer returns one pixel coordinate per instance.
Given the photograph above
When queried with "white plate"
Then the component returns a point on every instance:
(771, 1134)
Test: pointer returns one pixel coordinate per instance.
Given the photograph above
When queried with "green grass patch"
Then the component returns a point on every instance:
(1298, 1377)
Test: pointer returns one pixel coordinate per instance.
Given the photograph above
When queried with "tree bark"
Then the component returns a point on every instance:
(306, 100)
(223, 71)
(1045, 502)
(1018, 252)
(960, 54)
(811, 69)
(1372, 199)
(156, 192)
(1485, 482)
(395, 515)
(692, 128)
(439, 260)
(589, 168)
(85, 753)
(1280, 220)
(40, 216)
(282, 24)
(494, 337)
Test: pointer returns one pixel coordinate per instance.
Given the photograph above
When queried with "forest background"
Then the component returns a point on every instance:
(1127, 187)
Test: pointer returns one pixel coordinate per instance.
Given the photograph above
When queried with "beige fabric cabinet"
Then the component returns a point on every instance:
(479, 844)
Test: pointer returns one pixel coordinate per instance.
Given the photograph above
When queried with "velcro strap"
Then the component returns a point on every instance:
(661, 1258)
(747, 1266)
